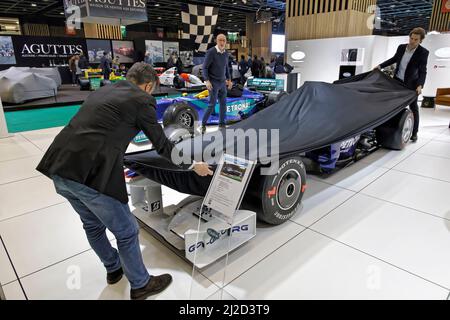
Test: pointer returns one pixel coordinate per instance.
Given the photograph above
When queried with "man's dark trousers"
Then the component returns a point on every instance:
(219, 89)
(414, 107)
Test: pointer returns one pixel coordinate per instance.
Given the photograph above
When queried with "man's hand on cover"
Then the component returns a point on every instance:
(208, 85)
(419, 90)
(202, 169)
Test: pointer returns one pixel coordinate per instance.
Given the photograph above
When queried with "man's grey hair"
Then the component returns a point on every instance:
(141, 73)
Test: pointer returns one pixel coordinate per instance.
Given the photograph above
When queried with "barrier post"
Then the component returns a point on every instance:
(3, 128)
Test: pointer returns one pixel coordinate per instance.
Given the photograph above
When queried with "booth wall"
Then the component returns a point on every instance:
(323, 56)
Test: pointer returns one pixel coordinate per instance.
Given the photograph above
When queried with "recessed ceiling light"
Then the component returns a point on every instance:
(156, 4)
(235, 25)
(177, 14)
(61, 13)
(159, 18)
(34, 5)
(229, 20)
(230, 14)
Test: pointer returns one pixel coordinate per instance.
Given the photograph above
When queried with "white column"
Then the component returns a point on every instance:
(3, 128)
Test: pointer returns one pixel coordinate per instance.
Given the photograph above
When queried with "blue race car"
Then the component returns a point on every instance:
(185, 111)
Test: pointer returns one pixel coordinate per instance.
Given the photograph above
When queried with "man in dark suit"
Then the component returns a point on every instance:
(105, 65)
(85, 162)
(411, 60)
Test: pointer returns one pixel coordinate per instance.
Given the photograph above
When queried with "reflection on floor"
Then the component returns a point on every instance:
(378, 229)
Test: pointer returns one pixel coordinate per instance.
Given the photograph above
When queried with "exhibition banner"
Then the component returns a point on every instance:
(121, 12)
(46, 51)
(128, 9)
(198, 24)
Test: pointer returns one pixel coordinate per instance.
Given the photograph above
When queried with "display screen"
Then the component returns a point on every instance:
(96, 49)
(6, 51)
(278, 42)
(124, 50)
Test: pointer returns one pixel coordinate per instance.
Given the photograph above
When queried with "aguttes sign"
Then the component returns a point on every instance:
(116, 12)
(45, 51)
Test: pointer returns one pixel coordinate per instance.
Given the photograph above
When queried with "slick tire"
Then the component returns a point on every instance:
(396, 133)
(281, 194)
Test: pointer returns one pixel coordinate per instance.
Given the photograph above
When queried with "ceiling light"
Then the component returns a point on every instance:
(230, 14)
(229, 20)
(177, 14)
(34, 5)
(156, 4)
(61, 13)
(159, 18)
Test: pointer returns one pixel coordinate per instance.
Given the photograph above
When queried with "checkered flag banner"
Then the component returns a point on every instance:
(198, 24)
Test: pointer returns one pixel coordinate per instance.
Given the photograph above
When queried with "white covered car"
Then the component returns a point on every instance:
(18, 85)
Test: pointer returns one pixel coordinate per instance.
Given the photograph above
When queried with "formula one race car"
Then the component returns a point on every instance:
(326, 124)
(185, 111)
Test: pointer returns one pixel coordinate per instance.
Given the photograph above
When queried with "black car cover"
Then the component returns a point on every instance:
(316, 115)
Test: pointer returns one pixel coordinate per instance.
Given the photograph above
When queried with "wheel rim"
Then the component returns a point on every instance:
(288, 189)
(407, 129)
(185, 119)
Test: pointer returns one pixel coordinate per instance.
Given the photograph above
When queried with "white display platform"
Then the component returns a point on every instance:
(3, 128)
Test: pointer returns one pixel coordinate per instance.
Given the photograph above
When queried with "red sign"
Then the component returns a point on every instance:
(445, 5)
(70, 31)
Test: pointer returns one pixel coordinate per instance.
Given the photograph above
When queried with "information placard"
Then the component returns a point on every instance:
(227, 188)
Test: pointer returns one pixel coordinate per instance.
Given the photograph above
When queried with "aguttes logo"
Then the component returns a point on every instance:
(50, 50)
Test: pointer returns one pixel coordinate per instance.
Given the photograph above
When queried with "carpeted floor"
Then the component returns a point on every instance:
(35, 119)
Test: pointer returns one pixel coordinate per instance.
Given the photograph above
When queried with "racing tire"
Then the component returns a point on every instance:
(182, 115)
(396, 133)
(274, 97)
(281, 194)
(84, 85)
(176, 134)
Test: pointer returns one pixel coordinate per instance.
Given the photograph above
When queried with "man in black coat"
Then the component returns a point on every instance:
(83, 63)
(85, 162)
(243, 68)
(105, 65)
(411, 60)
(256, 67)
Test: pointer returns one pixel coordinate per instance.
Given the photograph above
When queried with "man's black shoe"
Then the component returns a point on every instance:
(114, 277)
(155, 285)
(414, 138)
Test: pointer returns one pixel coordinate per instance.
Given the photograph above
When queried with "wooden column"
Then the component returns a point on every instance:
(259, 36)
(440, 21)
(102, 31)
(317, 19)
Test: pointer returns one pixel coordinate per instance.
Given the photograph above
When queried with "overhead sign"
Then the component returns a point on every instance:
(46, 51)
(115, 12)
